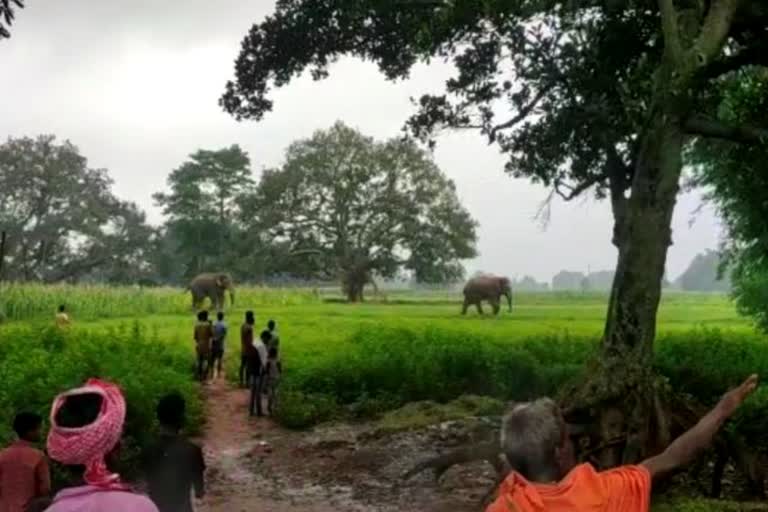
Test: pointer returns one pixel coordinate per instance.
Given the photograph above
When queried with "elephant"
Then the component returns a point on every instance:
(489, 288)
(213, 286)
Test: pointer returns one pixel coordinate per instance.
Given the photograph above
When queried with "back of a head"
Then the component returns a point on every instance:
(202, 316)
(61, 308)
(249, 318)
(220, 316)
(271, 325)
(531, 435)
(26, 423)
(266, 336)
(171, 411)
(79, 410)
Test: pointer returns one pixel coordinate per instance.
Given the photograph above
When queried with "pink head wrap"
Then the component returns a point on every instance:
(88, 445)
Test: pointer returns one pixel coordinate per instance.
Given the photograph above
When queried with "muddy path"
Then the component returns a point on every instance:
(254, 464)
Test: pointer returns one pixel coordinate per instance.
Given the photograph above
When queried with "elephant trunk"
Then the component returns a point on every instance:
(232, 295)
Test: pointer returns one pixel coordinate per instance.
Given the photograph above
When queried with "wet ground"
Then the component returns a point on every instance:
(256, 465)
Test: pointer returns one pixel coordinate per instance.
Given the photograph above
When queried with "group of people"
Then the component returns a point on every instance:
(86, 426)
(260, 361)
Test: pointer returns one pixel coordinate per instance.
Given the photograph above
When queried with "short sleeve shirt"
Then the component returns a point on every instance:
(625, 489)
(24, 475)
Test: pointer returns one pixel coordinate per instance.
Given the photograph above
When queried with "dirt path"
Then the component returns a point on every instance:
(255, 465)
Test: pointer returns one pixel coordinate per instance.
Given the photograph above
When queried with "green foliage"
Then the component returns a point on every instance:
(201, 210)
(61, 218)
(350, 207)
(40, 302)
(738, 186)
(36, 363)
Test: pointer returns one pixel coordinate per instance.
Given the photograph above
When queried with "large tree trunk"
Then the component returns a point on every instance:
(352, 283)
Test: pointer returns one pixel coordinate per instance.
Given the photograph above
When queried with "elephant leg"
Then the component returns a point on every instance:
(495, 306)
(479, 305)
(464, 307)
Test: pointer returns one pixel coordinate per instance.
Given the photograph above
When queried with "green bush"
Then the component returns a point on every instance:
(38, 363)
(381, 368)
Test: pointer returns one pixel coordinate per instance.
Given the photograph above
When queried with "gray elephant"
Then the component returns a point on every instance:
(212, 286)
(489, 288)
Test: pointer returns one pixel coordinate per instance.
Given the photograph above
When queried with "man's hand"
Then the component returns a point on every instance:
(735, 397)
(687, 446)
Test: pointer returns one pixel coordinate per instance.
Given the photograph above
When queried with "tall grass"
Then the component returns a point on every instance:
(35, 301)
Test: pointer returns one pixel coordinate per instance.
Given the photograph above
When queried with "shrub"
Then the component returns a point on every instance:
(38, 363)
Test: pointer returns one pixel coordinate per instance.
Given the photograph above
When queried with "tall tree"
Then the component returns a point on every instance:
(201, 205)
(352, 208)
(7, 15)
(580, 95)
(61, 218)
(737, 185)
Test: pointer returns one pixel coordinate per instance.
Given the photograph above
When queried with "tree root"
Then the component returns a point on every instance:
(630, 419)
(488, 450)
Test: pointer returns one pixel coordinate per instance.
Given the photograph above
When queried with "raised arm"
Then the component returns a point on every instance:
(687, 446)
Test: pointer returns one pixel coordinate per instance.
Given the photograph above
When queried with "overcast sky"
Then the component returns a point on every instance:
(135, 86)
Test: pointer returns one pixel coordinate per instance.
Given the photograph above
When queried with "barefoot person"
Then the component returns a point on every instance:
(217, 345)
(174, 467)
(203, 336)
(86, 427)
(257, 369)
(535, 442)
(247, 349)
(24, 474)
(273, 371)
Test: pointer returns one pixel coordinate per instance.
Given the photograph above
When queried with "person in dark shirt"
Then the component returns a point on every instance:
(173, 465)
(247, 350)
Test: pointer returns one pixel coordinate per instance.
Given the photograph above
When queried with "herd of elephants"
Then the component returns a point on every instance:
(214, 287)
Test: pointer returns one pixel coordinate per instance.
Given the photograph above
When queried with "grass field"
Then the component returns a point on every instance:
(357, 360)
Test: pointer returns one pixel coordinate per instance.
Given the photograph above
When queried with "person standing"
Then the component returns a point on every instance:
(203, 336)
(217, 346)
(273, 371)
(275, 337)
(173, 466)
(62, 318)
(247, 349)
(257, 370)
(24, 473)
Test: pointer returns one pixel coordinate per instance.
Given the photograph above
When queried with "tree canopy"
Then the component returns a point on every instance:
(202, 207)
(737, 185)
(350, 207)
(60, 216)
(580, 96)
(7, 15)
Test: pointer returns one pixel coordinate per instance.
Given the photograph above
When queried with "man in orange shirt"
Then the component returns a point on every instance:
(536, 444)
(24, 473)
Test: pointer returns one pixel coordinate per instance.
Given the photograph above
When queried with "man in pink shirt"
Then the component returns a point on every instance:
(86, 427)
(24, 473)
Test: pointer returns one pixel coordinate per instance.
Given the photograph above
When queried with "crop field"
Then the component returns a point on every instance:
(356, 360)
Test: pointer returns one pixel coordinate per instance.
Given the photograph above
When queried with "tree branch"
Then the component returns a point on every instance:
(524, 112)
(743, 134)
(579, 189)
(715, 29)
(670, 29)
